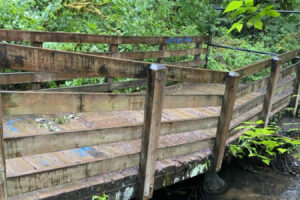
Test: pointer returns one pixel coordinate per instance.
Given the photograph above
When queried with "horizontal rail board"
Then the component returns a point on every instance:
(35, 77)
(251, 87)
(261, 65)
(105, 87)
(152, 54)
(15, 103)
(47, 60)
(193, 63)
(44, 143)
(38, 36)
(43, 179)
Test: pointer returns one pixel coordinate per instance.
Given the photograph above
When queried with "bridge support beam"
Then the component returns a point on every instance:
(268, 100)
(3, 191)
(151, 129)
(296, 90)
(231, 89)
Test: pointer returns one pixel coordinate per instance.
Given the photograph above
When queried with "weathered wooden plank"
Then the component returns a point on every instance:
(251, 87)
(105, 87)
(193, 63)
(289, 55)
(38, 36)
(162, 48)
(36, 85)
(225, 118)
(197, 56)
(103, 163)
(151, 129)
(46, 60)
(31, 77)
(296, 89)
(3, 189)
(162, 53)
(275, 69)
(51, 102)
(260, 65)
(253, 68)
(36, 144)
(112, 48)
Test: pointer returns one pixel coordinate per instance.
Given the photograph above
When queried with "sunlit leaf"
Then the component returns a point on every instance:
(233, 6)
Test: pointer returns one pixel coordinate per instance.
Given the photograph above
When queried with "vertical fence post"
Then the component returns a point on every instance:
(111, 48)
(267, 105)
(161, 47)
(3, 191)
(151, 129)
(296, 89)
(36, 86)
(197, 56)
(232, 83)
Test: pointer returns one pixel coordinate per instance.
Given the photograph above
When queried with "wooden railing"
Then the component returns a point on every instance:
(37, 38)
(46, 61)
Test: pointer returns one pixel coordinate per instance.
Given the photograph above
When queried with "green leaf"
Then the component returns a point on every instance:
(272, 13)
(266, 161)
(239, 26)
(258, 24)
(281, 150)
(249, 3)
(233, 6)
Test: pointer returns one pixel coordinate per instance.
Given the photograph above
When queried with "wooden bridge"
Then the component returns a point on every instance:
(125, 145)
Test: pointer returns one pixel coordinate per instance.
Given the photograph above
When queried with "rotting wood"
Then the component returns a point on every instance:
(151, 129)
(46, 60)
(58, 102)
(38, 36)
(232, 82)
(296, 89)
(275, 69)
(3, 189)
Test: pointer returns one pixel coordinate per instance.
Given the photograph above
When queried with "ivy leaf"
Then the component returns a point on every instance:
(233, 6)
(258, 24)
(266, 161)
(272, 13)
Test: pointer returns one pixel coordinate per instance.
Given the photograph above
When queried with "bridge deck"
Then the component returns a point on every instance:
(174, 146)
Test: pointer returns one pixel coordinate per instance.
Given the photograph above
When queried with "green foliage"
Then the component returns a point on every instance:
(103, 197)
(262, 143)
(249, 13)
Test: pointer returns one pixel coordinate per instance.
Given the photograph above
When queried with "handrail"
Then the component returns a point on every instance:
(39, 36)
(46, 60)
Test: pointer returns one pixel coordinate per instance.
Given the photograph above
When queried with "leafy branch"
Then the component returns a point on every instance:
(247, 12)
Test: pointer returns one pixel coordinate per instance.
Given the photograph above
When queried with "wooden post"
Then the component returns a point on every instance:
(232, 83)
(36, 86)
(162, 47)
(151, 129)
(296, 89)
(111, 48)
(3, 191)
(267, 105)
(197, 56)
